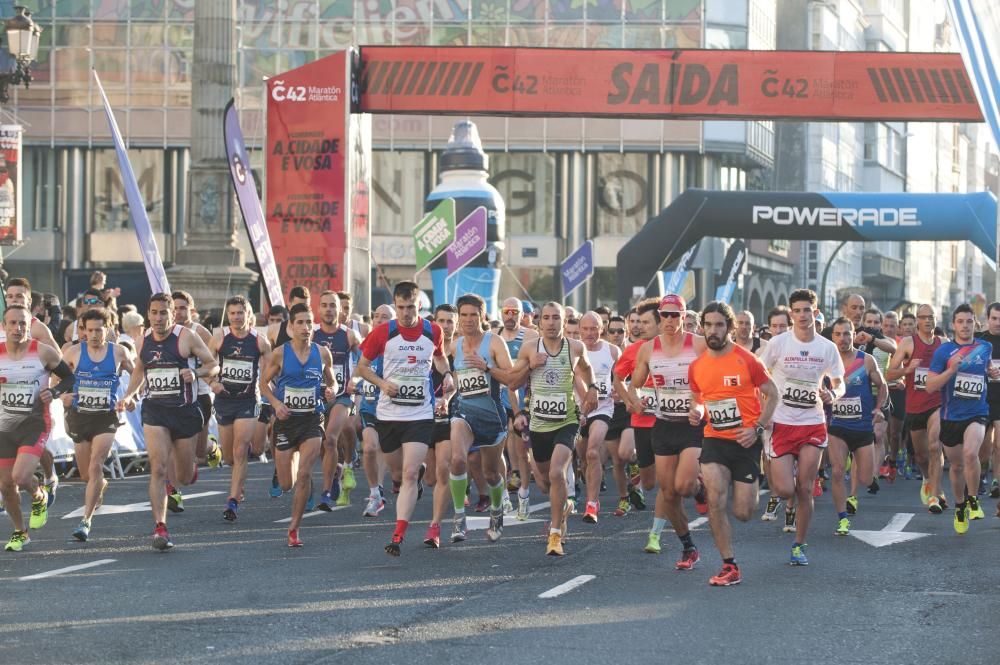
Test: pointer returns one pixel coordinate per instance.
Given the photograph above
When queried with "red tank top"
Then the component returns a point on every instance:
(918, 399)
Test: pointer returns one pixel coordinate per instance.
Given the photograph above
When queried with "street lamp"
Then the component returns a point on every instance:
(22, 48)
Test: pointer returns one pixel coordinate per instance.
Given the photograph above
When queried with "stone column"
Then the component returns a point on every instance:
(210, 264)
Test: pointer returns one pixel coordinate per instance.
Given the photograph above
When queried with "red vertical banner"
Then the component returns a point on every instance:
(11, 219)
(307, 153)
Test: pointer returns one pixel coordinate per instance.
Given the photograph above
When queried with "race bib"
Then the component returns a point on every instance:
(847, 408)
(724, 414)
(412, 390)
(92, 397)
(340, 374)
(969, 386)
(800, 394)
(237, 372)
(18, 397)
(920, 378)
(369, 392)
(471, 381)
(995, 364)
(163, 382)
(549, 406)
(300, 400)
(647, 395)
(673, 402)
(603, 383)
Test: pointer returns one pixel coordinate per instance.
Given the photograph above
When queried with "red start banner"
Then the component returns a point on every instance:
(307, 111)
(813, 85)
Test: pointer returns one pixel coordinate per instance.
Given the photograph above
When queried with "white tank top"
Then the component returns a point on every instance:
(603, 363)
(21, 381)
(670, 379)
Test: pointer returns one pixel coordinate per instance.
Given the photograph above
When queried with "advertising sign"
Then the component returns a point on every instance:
(10, 185)
(434, 233)
(470, 240)
(577, 268)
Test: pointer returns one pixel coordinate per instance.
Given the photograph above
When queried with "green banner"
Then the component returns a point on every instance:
(435, 233)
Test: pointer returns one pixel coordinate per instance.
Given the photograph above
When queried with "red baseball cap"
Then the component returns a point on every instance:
(673, 299)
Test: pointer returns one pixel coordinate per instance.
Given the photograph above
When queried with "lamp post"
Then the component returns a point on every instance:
(22, 48)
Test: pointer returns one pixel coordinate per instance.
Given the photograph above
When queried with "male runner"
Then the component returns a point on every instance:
(800, 360)
(440, 453)
(241, 353)
(989, 454)
(620, 427)
(744, 334)
(373, 460)
(603, 356)
(854, 415)
(553, 362)
(691, 321)
(25, 364)
(516, 335)
(302, 372)
(479, 422)
(573, 328)
(913, 360)
(897, 402)
(183, 306)
(634, 329)
(779, 320)
(676, 442)
(959, 371)
(729, 382)
(409, 347)
(91, 409)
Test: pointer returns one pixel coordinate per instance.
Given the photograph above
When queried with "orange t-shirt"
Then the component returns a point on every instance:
(623, 369)
(730, 387)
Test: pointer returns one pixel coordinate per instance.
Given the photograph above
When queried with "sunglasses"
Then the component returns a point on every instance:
(511, 311)
(91, 301)
(616, 331)
(671, 315)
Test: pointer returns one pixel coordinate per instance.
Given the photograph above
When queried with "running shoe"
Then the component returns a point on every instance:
(633, 473)
(652, 543)
(345, 497)
(771, 510)
(311, 502)
(883, 471)
(51, 488)
(293, 538)
(275, 486)
(925, 492)
(483, 504)
(161, 539)
(689, 559)
(975, 510)
(349, 482)
(624, 507)
(505, 505)
(420, 481)
(375, 505)
(934, 505)
(798, 557)
(789, 520)
(393, 549)
(843, 527)
(637, 497)
(82, 532)
(229, 514)
(818, 487)
(432, 538)
(995, 489)
(852, 505)
(17, 541)
(961, 521)
(604, 486)
(874, 487)
(983, 485)
(892, 474)
(39, 512)
(590, 514)
(700, 500)
(728, 576)
(214, 457)
(458, 529)
(554, 548)
(325, 501)
(175, 500)
(943, 500)
(523, 506)
(495, 529)
(514, 482)
(395, 487)
(336, 487)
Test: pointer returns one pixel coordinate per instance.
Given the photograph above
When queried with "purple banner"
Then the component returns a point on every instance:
(246, 195)
(470, 240)
(136, 208)
(577, 268)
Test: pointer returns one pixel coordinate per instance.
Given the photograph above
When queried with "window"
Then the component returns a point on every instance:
(39, 189)
(110, 210)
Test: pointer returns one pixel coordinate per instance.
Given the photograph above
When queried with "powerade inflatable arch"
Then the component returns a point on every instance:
(699, 213)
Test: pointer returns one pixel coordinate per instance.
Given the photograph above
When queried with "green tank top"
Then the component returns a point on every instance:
(552, 403)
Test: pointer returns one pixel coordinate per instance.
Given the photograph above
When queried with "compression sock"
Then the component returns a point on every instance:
(459, 485)
(496, 495)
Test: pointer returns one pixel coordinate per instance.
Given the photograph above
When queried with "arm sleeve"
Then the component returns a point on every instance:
(66, 377)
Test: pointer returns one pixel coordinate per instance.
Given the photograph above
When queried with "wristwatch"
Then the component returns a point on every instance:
(592, 386)
(759, 429)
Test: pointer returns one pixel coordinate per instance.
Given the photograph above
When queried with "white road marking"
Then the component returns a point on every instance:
(694, 524)
(112, 509)
(67, 569)
(566, 587)
(311, 514)
(891, 534)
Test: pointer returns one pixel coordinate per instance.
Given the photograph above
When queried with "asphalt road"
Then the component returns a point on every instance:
(232, 592)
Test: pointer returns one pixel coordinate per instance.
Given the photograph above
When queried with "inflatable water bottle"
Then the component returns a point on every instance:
(464, 169)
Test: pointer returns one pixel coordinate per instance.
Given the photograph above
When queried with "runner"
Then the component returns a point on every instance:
(183, 306)
(554, 422)
(241, 353)
(479, 421)
(727, 383)
(171, 416)
(25, 424)
(277, 329)
(897, 402)
(744, 333)
(989, 454)
(572, 330)
(341, 341)
(779, 320)
(800, 360)
(854, 416)
(692, 321)
(516, 335)
(410, 347)
(634, 329)
(304, 381)
(912, 360)
(439, 456)
(620, 437)
(959, 371)
(676, 442)
(594, 433)
(372, 457)
(91, 409)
